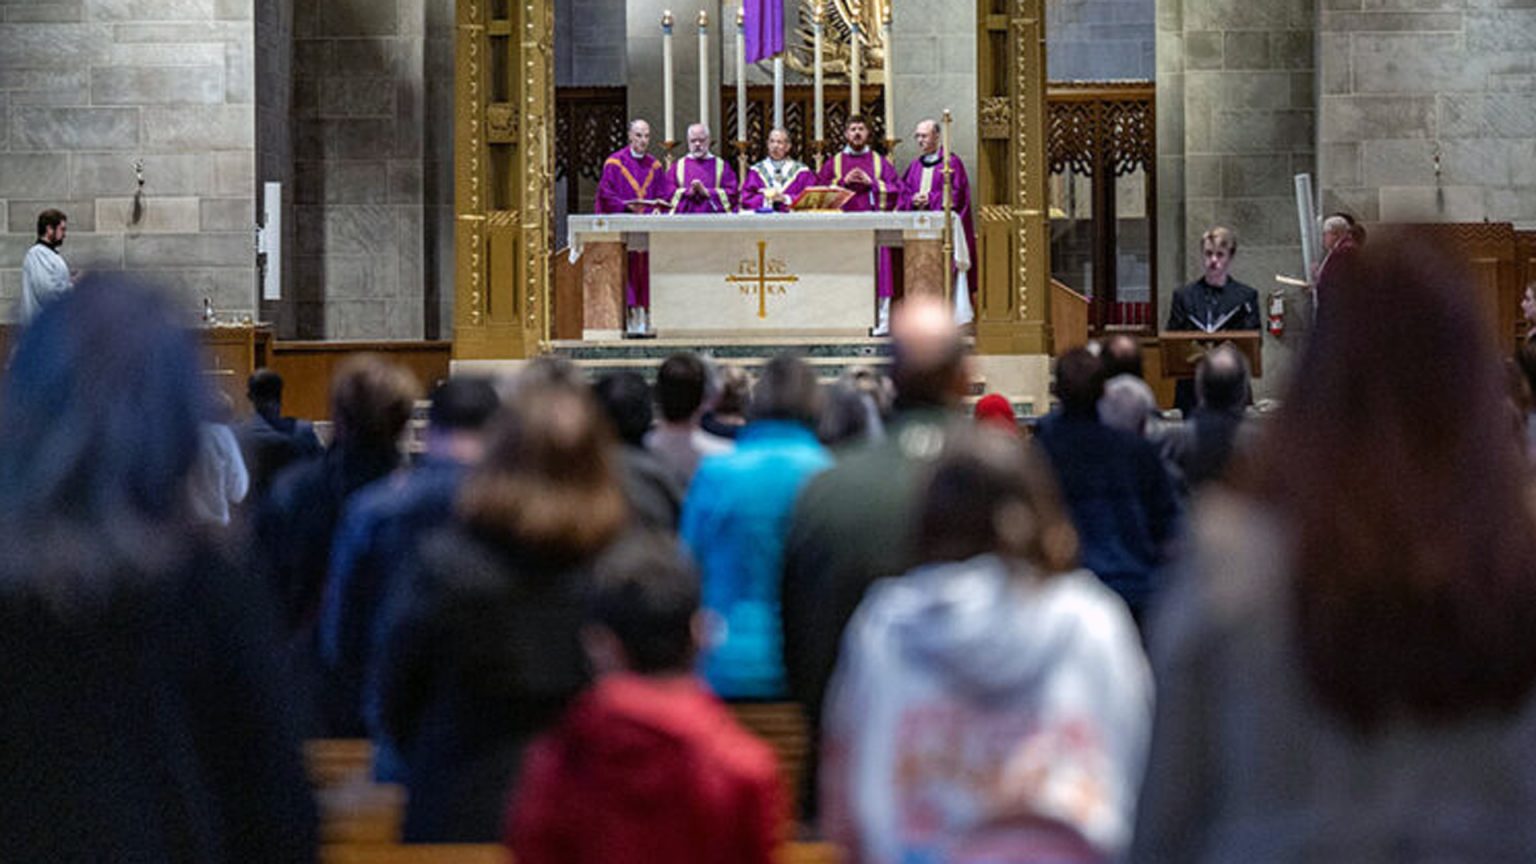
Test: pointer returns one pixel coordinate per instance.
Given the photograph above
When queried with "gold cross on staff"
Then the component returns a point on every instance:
(762, 278)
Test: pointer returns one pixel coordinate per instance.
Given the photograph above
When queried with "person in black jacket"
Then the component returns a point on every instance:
(487, 651)
(1212, 303)
(142, 715)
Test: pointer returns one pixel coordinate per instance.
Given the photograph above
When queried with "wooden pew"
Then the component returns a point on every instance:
(361, 813)
(782, 726)
(338, 761)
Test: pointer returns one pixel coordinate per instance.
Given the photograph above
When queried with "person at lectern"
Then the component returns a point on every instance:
(923, 189)
(875, 186)
(1213, 302)
(701, 181)
(774, 183)
(634, 181)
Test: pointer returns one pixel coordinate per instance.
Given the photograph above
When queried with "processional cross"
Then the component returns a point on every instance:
(761, 278)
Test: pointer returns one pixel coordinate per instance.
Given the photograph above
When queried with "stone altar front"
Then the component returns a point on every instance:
(753, 273)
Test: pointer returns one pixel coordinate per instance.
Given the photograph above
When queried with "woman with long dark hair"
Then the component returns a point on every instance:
(1346, 672)
(140, 711)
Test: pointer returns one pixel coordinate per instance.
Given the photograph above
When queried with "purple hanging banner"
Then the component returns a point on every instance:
(763, 21)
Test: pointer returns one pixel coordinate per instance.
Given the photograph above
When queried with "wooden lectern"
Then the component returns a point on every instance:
(1183, 349)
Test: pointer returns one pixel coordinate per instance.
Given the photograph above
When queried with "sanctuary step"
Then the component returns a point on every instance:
(830, 357)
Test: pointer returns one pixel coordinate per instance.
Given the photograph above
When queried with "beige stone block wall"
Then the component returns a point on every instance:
(88, 89)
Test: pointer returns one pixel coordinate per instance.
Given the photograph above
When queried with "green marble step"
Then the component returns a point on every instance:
(722, 349)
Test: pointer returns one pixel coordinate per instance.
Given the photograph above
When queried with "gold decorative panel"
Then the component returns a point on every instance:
(503, 162)
(1013, 303)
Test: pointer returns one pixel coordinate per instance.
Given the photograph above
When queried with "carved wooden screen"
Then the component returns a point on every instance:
(590, 123)
(799, 119)
(1108, 131)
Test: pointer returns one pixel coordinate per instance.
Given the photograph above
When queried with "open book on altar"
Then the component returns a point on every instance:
(648, 202)
(822, 198)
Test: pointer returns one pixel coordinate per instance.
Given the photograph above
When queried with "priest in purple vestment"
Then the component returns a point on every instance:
(701, 181)
(634, 181)
(923, 189)
(875, 186)
(774, 183)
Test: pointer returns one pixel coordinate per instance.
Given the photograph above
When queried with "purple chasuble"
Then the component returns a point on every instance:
(883, 193)
(626, 178)
(929, 178)
(791, 178)
(719, 183)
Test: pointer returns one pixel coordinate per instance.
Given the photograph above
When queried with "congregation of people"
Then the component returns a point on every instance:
(1106, 635)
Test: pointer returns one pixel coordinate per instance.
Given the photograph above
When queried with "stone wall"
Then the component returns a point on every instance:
(90, 87)
(1403, 82)
(935, 69)
(1098, 40)
(372, 146)
(1236, 97)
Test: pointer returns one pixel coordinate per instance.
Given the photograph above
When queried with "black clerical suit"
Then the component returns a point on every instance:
(1202, 306)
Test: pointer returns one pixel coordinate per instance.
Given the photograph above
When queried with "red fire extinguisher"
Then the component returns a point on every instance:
(1276, 314)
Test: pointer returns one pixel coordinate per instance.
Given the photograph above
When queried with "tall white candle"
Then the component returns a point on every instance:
(703, 67)
(890, 80)
(741, 75)
(854, 65)
(821, 112)
(666, 76)
(778, 92)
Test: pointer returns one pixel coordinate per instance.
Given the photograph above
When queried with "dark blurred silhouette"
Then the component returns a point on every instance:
(677, 440)
(1203, 446)
(142, 716)
(654, 493)
(1346, 673)
(269, 441)
(374, 551)
(487, 652)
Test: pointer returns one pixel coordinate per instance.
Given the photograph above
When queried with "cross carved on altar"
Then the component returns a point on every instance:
(760, 276)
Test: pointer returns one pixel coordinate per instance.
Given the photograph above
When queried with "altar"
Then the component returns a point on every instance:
(752, 274)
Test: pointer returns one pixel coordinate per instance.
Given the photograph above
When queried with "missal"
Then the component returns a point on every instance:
(822, 198)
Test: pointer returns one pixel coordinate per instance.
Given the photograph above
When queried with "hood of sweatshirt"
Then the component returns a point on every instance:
(985, 626)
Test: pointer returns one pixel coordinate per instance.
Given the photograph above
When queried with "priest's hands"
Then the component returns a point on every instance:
(857, 180)
(920, 200)
(638, 206)
(697, 190)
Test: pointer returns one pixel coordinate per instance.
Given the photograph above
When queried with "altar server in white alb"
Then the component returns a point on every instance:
(775, 183)
(44, 275)
(702, 181)
(923, 189)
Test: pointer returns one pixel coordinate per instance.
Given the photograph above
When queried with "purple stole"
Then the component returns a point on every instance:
(885, 190)
(718, 179)
(626, 179)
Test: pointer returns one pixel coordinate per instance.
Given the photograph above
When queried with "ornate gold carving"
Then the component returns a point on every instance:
(501, 220)
(769, 275)
(995, 119)
(500, 123)
(996, 213)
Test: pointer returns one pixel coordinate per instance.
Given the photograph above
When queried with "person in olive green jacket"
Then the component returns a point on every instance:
(853, 523)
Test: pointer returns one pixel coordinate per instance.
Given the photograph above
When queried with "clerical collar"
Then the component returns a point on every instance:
(932, 159)
(639, 157)
(852, 152)
(52, 247)
(701, 158)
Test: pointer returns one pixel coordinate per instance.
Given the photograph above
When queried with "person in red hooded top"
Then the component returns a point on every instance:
(648, 765)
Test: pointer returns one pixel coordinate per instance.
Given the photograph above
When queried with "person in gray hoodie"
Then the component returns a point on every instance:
(994, 704)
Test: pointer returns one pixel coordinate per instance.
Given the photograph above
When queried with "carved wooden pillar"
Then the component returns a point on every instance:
(1013, 302)
(503, 176)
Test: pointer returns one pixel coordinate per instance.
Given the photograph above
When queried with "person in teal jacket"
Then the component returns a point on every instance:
(735, 520)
